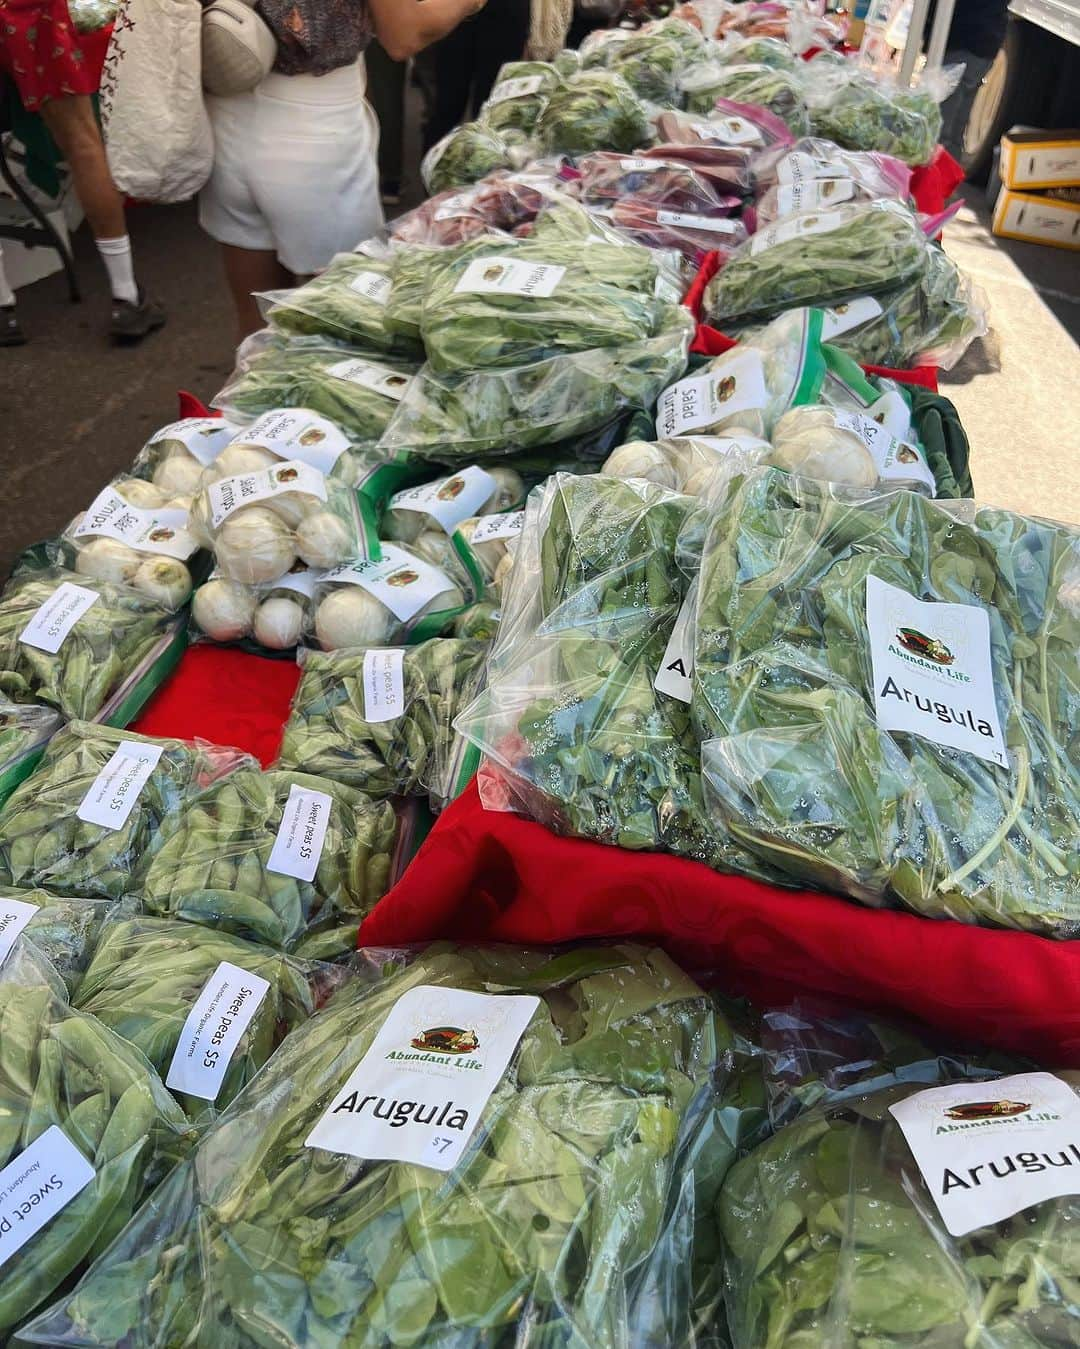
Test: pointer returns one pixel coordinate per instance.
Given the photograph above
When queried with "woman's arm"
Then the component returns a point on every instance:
(405, 27)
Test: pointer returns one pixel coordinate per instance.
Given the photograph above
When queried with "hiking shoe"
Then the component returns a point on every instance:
(132, 322)
(11, 335)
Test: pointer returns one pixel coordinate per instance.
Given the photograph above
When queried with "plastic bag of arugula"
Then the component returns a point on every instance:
(87, 1131)
(761, 51)
(859, 112)
(63, 930)
(205, 1008)
(650, 64)
(346, 302)
(464, 155)
(358, 393)
(381, 719)
(587, 741)
(604, 1080)
(595, 110)
(507, 302)
(87, 820)
(519, 95)
(781, 92)
(884, 1220)
(887, 692)
(455, 418)
(70, 640)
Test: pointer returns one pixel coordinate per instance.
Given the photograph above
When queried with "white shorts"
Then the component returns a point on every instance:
(295, 168)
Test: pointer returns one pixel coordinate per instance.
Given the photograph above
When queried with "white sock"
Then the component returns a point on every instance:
(116, 255)
(7, 295)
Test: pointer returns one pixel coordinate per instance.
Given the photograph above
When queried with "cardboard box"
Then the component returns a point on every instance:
(1037, 219)
(1031, 159)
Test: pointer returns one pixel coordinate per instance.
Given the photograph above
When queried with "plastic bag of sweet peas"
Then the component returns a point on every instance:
(391, 1214)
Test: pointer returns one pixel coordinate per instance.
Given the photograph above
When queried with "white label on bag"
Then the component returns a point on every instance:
(638, 164)
(40, 1183)
(810, 196)
(56, 617)
(932, 672)
(418, 1093)
(301, 834)
(14, 916)
(203, 437)
(509, 276)
(300, 582)
(491, 527)
(450, 500)
(989, 1150)
(736, 386)
(732, 131)
(677, 666)
(147, 531)
(370, 375)
(460, 203)
(895, 459)
(295, 433)
(400, 580)
(116, 788)
(715, 224)
(798, 227)
(375, 248)
(841, 318)
(516, 88)
(372, 286)
(799, 167)
(230, 494)
(213, 1029)
(893, 413)
(384, 683)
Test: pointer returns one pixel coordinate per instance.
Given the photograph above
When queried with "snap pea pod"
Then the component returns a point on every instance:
(346, 302)
(581, 1214)
(106, 643)
(328, 732)
(147, 973)
(63, 930)
(43, 840)
(212, 865)
(61, 1067)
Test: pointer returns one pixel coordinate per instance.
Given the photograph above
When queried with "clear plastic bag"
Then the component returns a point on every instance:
(595, 110)
(274, 615)
(455, 418)
(610, 1106)
(757, 51)
(46, 837)
(221, 864)
(834, 1238)
(796, 760)
(519, 95)
(23, 729)
(347, 302)
(63, 931)
(345, 726)
(688, 464)
(605, 179)
(467, 153)
(849, 106)
(99, 634)
(146, 976)
(814, 174)
(781, 92)
(64, 1075)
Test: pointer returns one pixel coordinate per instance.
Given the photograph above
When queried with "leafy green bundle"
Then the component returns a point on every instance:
(346, 302)
(518, 105)
(212, 868)
(146, 974)
(573, 1217)
(43, 840)
(106, 644)
(797, 765)
(780, 91)
(412, 270)
(650, 65)
(414, 752)
(833, 1240)
(595, 110)
(854, 250)
(860, 113)
(61, 1067)
(602, 296)
(465, 155)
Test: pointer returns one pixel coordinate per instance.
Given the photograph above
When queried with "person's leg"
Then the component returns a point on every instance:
(11, 335)
(73, 125)
(502, 35)
(454, 59)
(956, 109)
(249, 271)
(386, 94)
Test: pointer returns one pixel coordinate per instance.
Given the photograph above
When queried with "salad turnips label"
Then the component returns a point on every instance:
(400, 580)
(246, 489)
(449, 500)
(418, 1093)
(155, 531)
(702, 400)
(296, 433)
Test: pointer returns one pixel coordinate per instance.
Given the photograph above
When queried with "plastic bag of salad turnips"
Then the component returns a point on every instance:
(133, 534)
(814, 174)
(690, 464)
(603, 179)
(273, 615)
(403, 595)
(260, 522)
(917, 1214)
(174, 457)
(448, 501)
(414, 1218)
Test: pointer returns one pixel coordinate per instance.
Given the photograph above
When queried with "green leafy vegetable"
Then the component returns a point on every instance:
(518, 104)
(595, 110)
(346, 302)
(780, 91)
(468, 153)
(861, 113)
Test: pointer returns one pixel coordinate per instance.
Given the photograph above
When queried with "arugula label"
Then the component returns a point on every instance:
(988, 1150)
(932, 673)
(418, 1093)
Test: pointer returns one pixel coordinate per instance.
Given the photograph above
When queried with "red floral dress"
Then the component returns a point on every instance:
(43, 53)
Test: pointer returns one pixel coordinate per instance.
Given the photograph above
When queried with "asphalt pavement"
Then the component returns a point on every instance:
(74, 410)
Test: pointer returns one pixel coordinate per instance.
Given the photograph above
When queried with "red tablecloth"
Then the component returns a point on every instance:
(485, 874)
